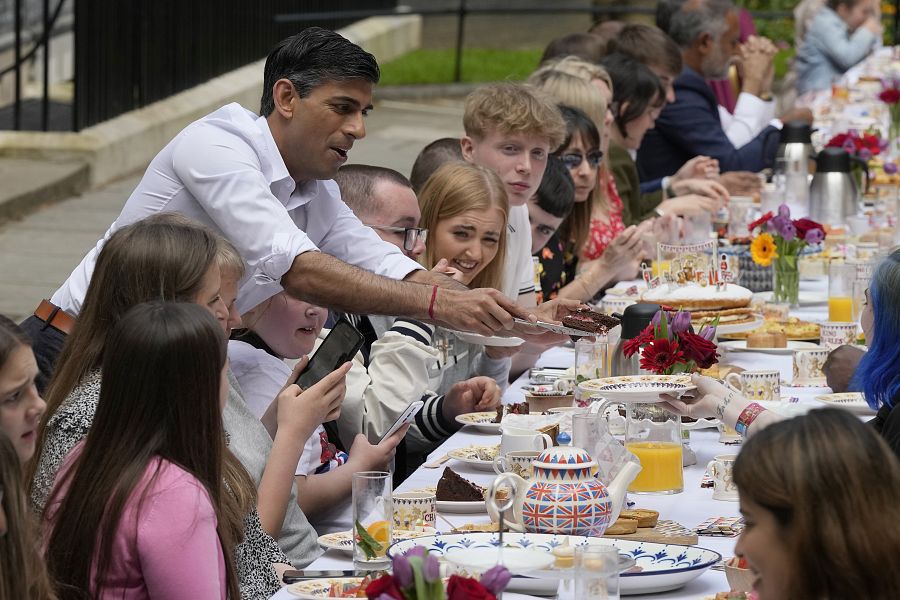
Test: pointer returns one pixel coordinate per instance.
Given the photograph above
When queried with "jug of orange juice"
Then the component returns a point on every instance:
(653, 434)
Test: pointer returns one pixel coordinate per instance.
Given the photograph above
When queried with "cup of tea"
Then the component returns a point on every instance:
(837, 333)
(414, 511)
(519, 462)
(808, 367)
(720, 469)
(757, 385)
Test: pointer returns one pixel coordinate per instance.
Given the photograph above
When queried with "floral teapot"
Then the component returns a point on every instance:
(563, 496)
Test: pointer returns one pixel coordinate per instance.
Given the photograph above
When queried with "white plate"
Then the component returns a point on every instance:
(701, 424)
(320, 588)
(803, 298)
(484, 340)
(644, 389)
(854, 402)
(664, 566)
(482, 421)
(725, 328)
(519, 561)
(741, 346)
(342, 541)
(462, 508)
(467, 455)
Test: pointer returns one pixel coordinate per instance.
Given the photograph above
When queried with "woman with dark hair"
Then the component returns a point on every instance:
(819, 499)
(877, 375)
(638, 97)
(22, 572)
(21, 406)
(143, 498)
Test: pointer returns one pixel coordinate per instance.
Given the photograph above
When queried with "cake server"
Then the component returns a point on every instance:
(556, 328)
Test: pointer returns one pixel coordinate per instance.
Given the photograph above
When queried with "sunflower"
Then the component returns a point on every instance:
(763, 249)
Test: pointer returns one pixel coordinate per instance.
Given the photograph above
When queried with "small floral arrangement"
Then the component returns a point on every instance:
(863, 145)
(417, 576)
(671, 346)
(779, 236)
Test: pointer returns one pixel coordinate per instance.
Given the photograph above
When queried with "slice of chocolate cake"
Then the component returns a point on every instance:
(451, 487)
(586, 319)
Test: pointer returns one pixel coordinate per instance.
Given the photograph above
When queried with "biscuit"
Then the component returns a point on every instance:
(622, 526)
(644, 516)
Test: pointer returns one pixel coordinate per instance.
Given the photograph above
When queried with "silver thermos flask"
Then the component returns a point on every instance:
(634, 319)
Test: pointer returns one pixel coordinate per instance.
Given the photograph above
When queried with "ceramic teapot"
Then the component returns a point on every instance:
(563, 496)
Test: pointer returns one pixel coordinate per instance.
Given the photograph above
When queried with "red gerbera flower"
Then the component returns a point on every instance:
(760, 221)
(659, 355)
(632, 346)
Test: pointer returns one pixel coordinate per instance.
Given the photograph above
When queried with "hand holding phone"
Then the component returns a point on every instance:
(407, 416)
(339, 346)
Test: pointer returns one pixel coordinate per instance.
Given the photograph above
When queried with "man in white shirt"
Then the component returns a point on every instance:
(265, 184)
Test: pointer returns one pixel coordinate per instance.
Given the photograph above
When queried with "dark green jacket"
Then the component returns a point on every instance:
(635, 206)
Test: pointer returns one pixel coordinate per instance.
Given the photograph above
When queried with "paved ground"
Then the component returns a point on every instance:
(38, 252)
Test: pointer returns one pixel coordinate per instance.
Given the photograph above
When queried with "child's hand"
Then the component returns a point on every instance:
(302, 410)
(374, 457)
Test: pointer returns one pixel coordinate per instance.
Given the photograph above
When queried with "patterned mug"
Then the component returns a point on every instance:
(757, 385)
(808, 367)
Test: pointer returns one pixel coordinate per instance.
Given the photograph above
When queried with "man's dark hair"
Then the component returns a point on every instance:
(556, 194)
(357, 185)
(664, 11)
(313, 57)
(583, 45)
(431, 158)
(648, 45)
(635, 84)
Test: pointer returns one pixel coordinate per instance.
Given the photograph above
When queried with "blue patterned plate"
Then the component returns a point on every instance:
(636, 388)
(662, 566)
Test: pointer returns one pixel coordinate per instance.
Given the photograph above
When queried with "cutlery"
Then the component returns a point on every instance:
(437, 462)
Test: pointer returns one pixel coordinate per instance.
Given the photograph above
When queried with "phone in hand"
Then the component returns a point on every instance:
(339, 346)
(406, 417)
(293, 576)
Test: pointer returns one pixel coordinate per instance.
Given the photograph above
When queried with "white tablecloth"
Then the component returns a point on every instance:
(689, 508)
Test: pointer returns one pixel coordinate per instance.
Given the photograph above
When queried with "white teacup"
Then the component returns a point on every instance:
(834, 333)
(757, 385)
(516, 439)
(808, 367)
(414, 510)
(520, 463)
(720, 469)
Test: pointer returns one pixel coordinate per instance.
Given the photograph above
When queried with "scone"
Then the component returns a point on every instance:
(644, 516)
(622, 526)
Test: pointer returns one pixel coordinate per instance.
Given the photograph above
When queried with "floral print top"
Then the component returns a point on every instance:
(556, 267)
(603, 233)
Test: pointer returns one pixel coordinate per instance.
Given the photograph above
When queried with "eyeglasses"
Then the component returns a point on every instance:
(410, 234)
(573, 160)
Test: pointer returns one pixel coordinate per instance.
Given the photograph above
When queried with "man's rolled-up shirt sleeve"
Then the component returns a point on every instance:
(227, 181)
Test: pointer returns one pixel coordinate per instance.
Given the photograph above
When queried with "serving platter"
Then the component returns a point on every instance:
(741, 346)
(662, 567)
(482, 421)
(854, 402)
(643, 389)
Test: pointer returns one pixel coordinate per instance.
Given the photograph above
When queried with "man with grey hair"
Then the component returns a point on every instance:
(707, 31)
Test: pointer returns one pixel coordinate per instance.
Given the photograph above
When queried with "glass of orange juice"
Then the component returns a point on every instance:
(372, 519)
(653, 434)
(840, 291)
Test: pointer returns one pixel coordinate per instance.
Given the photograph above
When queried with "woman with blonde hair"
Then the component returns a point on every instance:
(22, 572)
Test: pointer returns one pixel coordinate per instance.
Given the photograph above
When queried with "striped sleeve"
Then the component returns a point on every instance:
(430, 420)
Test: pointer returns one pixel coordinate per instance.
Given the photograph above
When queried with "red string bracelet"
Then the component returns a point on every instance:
(431, 304)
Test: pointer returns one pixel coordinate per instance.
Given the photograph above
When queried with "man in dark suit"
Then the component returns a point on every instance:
(708, 33)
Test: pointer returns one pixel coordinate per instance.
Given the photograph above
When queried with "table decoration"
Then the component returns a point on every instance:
(669, 345)
(890, 95)
(778, 241)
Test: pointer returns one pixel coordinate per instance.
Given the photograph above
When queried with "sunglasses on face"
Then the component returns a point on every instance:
(572, 160)
(410, 234)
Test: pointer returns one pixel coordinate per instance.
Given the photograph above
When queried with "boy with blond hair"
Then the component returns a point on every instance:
(511, 128)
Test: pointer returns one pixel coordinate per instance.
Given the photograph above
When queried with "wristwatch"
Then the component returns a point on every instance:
(766, 96)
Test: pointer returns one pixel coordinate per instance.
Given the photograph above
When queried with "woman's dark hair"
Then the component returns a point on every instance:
(556, 194)
(22, 572)
(159, 398)
(831, 483)
(11, 337)
(313, 57)
(578, 124)
(576, 226)
(634, 84)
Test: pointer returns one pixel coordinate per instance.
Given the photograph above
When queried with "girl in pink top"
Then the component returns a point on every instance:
(140, 509)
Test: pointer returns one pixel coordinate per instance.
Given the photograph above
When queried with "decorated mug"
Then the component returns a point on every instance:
(414, 510)
(757, 385)
(835, 333)
(720, 469)
(808, 367)
(519, 462)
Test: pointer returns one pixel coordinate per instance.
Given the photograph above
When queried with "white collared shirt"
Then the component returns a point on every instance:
(225, 171)
(751, 115)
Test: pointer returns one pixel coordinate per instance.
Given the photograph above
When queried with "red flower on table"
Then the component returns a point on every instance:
(890, 96)
(463, 588)
(384, 585)
(632, 346)
(760, 221)
(661, 354)
(698, 349)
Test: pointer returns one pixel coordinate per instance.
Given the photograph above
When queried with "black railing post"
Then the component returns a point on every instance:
(17, 102)
(460, 30)
(45, 99)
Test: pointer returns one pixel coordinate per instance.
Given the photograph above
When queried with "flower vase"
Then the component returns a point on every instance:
(786, 288)
(894, 141)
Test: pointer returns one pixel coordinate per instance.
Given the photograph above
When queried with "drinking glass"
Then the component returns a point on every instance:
(653, 434)
(863, 275)
(697, 228)
(840, 291)
(596, 572)
(740, 214)
(372, 519)
(591, 358)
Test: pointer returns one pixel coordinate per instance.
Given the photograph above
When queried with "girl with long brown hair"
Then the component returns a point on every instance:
(22, 572)
(143, 497)
(20, 404)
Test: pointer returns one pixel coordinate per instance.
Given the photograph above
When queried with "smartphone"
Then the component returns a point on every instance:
(407, 417)
(293, 576)
(339, 346)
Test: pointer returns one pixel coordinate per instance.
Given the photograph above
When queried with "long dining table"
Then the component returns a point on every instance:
(689, 508)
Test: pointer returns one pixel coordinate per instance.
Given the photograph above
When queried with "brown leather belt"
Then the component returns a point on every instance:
(55, 317)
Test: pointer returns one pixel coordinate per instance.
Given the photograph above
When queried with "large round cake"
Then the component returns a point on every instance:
(693, 296)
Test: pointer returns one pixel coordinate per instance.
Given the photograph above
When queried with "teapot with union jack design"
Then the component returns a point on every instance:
(563, 495)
